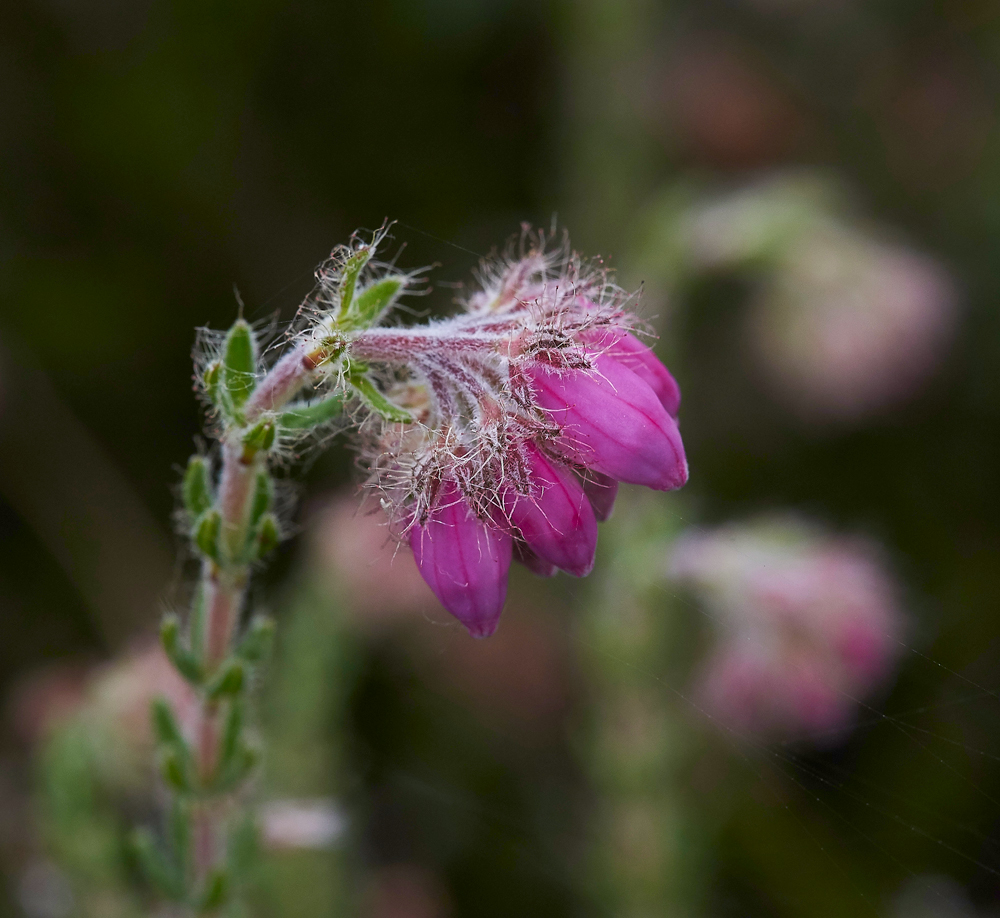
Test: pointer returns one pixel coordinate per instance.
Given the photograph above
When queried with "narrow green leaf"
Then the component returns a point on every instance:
(349, 277)
(260, 436)
(180, 832)
(168, 733)
(206, 534)
(374, 300)
(182, 658)
(197, 487)
(174, 772)
(212, 380)
(256, 643)
(216, 891)
(155, 865)
(239, 357)
(228, 682)
(268, 535)
(378, 402)
(303, 415)
(231, 731)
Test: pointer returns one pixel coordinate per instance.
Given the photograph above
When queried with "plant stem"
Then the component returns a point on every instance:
(223, 590)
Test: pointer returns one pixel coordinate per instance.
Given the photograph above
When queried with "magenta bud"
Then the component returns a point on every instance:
(601, 491)
(531, 561)
(555, 520)
(464, 561)
(611, 421)
(631, 353)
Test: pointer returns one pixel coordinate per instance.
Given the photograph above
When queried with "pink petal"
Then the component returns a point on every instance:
(464, 561)
(630, 352)
(556, 521)
(612, 422)
(531, 561)
(601, 491)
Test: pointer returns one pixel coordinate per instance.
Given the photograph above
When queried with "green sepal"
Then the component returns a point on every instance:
(183, 659)
(260, 436)
(206, 534)
(256, 643)
(303, 415)
(229, 681)
(156, 866)
(378, 402)
(239, 360)
(268, 535)
(197, 487)
(373, 301)
(165, 726)
(263, 497)
(216, 891)
(349, 277)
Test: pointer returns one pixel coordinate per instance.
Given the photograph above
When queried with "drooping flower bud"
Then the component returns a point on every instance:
(502, 432)
(464, 561)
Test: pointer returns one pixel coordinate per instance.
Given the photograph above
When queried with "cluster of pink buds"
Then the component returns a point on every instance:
(509, 426)
(808, 624)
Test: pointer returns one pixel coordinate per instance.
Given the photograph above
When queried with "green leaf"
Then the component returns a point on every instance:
(182, 658)
(256, 643)
(216, 891)
(378, 402)
(180, 831)
(228, 682)
(239, 358)
(155, 865)
(212, 379)
(197, 487)
(374, 300)
(168, 733)
(268, 535)
(231, 731)
(172, 766)
(260, 436)
(206, 534)
(303, 415)
(349, 277)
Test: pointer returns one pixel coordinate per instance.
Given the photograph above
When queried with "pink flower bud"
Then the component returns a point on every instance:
(601, 491)
(613, 422)
(555, 520)
(464, 561)
(531, 561)
(632, 354)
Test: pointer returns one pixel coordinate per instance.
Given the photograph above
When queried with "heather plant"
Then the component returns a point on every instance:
(499, 433)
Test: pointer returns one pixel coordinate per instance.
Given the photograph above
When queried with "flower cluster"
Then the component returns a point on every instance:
(511, 425)
(808, 624)
(846, 323)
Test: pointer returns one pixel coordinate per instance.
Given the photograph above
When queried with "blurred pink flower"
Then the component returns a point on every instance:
(849, 325)
(807, 624)
(355, 549)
